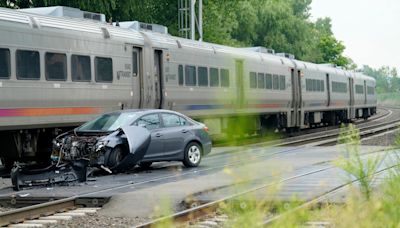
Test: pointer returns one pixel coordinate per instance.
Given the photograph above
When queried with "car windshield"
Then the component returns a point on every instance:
(108, 122)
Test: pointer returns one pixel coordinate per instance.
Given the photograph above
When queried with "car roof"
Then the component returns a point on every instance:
(146, 111)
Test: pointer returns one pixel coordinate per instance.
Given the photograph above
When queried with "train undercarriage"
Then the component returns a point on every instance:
(35, 145)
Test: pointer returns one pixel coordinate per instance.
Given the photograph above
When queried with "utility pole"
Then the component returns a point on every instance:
(188, 20)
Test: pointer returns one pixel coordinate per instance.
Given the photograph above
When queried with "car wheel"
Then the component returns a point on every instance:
(192, 156)
(117, 155)
(145, 165)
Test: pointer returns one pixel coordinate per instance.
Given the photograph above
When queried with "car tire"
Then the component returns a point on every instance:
(145, 165)
(116, 156)
(192, 155)
(14, 179)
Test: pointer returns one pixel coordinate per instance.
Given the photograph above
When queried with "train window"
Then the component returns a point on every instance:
(276, 82)
(80, 68)
(135, 68)
(322, 85)
(56, 66)
(180, 74)
(339, 87)
(314, 85)
(282, 82)
(5, 67)
(214, 77)
(103, 69)
(308, 84)
(253, 80)
(261, 81)
(360, 89)
(203, 76)
(190, 76)
(318, 85)
(224, 78)
(268, 81)
(28, 64)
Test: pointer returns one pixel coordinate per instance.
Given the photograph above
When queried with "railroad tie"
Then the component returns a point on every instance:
(41, 221)
(26, 225)
(56, 218)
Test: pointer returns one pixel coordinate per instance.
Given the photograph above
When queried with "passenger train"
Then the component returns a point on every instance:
(60, 67)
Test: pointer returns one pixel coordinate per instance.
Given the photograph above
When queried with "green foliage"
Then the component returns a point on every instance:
(387, 80)
(361, 169)
(331, 50)
(283, 25)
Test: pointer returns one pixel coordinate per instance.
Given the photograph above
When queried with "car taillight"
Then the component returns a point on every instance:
(205, 128)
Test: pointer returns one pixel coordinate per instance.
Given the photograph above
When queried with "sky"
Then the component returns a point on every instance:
(370, 29)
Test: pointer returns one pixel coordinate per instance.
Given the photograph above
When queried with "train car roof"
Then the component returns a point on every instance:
(108, 31)
(102, 30)
(360, 76)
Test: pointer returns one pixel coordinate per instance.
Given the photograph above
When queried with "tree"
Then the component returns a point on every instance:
(332, 50)
(387, 79)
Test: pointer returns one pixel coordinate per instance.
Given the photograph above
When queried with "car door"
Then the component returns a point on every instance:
(175, 134)
(153, 124)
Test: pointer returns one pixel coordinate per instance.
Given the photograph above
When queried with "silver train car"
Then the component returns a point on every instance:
(59, 71)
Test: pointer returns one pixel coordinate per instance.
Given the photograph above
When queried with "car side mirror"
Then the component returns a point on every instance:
(142, 125)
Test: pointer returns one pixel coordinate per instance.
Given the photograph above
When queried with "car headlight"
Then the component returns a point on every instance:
(101, 144)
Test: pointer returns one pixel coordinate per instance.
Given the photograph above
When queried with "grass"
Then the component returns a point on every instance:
(365, 206)
(353, 164)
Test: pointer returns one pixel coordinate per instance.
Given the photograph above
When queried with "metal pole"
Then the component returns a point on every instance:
(186, 19)
(201, 20)
(192, 19)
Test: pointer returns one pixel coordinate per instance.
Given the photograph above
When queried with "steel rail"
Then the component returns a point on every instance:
(47, 208)
(304, 132)
(204, 209)
(36, 211)
(210, 207)
(322, 197)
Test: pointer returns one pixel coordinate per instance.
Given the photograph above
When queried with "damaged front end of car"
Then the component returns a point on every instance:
(74, 152)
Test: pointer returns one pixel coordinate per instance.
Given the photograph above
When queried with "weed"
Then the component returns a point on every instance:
(362, 169)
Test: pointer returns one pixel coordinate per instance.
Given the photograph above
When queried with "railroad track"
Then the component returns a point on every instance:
(201, 214)
(323, 197)
(330, 138)
(254, 140)
(66, 204)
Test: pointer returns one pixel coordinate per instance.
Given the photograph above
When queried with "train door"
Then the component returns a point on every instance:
(239, 83)
(158, 82)
(295, 100)
(328, 90)
(300, 109)
(351, 114)
(365, 92)
(137, 77)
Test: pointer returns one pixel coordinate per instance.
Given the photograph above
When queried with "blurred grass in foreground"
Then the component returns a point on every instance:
(364, 206)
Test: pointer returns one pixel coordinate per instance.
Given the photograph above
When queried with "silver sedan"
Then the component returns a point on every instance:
(119, 140)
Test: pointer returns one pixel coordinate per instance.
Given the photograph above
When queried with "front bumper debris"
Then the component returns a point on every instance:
(73, 154)
(23, 175)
